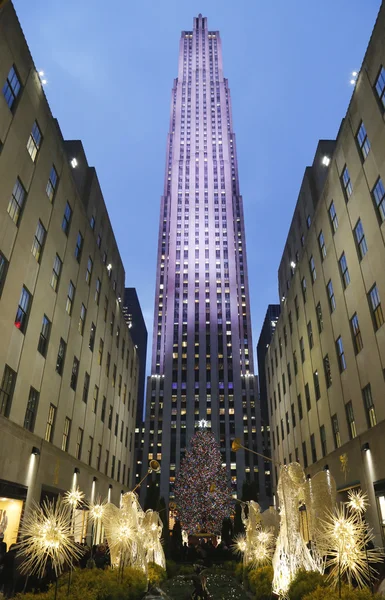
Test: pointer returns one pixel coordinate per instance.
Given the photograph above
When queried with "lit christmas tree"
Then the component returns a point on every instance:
(202, 491)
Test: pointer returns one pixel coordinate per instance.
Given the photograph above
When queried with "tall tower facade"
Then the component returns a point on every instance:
(202, 358)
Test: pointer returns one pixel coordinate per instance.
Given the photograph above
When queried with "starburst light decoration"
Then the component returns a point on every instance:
(239, 546)
(358, 501)
(73, 497)
(47, 536)
(96, 509)
(346, 539)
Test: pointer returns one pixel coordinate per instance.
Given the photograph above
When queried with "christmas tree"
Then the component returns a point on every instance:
(202, 491)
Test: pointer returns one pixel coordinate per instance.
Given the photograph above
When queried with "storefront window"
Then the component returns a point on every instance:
(10, 513)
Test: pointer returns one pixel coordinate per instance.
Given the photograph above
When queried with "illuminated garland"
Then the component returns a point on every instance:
(202, 491)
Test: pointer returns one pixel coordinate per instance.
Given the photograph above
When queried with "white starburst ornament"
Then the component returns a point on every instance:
(96, 509)
(47, 536)
(358, 501)
(73, 497)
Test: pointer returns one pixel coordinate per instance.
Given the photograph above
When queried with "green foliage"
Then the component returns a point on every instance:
(238, 572)
(156, 575)
(328, 593)
(260, 582)
(172, 568)
(306, 582)
(96, 584)
(186, 570)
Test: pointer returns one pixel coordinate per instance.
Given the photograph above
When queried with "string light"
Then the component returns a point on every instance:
(202, 491)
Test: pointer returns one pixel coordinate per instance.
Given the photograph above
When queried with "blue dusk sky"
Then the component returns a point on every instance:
(110, 68)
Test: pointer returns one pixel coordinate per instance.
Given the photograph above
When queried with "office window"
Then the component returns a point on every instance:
(79, 444)
(98, 287)
(344, 271)
(61, 356)
(293, 415)
(70, 298)
(378, 194)
(107, 462)
(44, 336)
(113, 466)
(49, 428)
(117, 336)
(110, 411)
(322, 246)
(296, 307)
(340, 354)
(56, 272)
(34, 141)
(66, 435)
(100, 355)
(79, 247)
(95, 399)
(12, 88)
(310, 335)
(320, 321)
(379, 86)
(52, 183)
(333, 217)
(313, 273)
(3, 270)
(67, 219)
(6, 390)
(316, 385)
(300, 411)
(289, 373)
(108, 362)
(283, 383)
(90, 446)
(308, 221)
(82, 319)
(38, 241)
(16, 203)
(116, 424)
(114, 376)
(89, 270)
(86, 387)
(350, 419)
(304, 453)
(369, 406)
(22, 313)
(375, 307)
(336, 432)
(98, 457)
(31, 410)
(74, 373)
(91, 343)
(92, 222)
(356, 333)
(359, 235)
(313, 448)
(322, 435)
(332, 300)
(302, 349)
(103, 412)
(307, 396)
(363, 141)
(346, 183)
(295, 363)
(303, 285)
(328, 373)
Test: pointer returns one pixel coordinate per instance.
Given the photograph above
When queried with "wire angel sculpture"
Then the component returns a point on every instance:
(152, 528)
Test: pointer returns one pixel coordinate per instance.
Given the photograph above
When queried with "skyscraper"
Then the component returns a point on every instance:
(202, 358)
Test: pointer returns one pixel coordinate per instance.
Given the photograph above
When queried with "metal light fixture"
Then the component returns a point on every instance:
(95, 479)
(35, 451)
(110, 486)
(365, 447)
(76, 471)
(326, 468)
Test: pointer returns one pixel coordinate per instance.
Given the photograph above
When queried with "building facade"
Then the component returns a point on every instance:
(68, 366)
(202, 355)
(134, 317)
(325, 363)
(267, 332)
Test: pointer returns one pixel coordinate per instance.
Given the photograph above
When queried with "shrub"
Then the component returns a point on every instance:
(306, 582)
(238, 572)
(328, 593)
(96, 584)
(156, 575)
(172, 568)
(260, 582)
(186, 570)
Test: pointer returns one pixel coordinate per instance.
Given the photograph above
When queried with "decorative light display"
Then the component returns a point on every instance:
(153, 526)
(239, 546)
(96, 509)
(291, 552)
(346, 539)
(358, 501)
(73, 497)
(257, 544)
(202, 491)
(47, 536)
